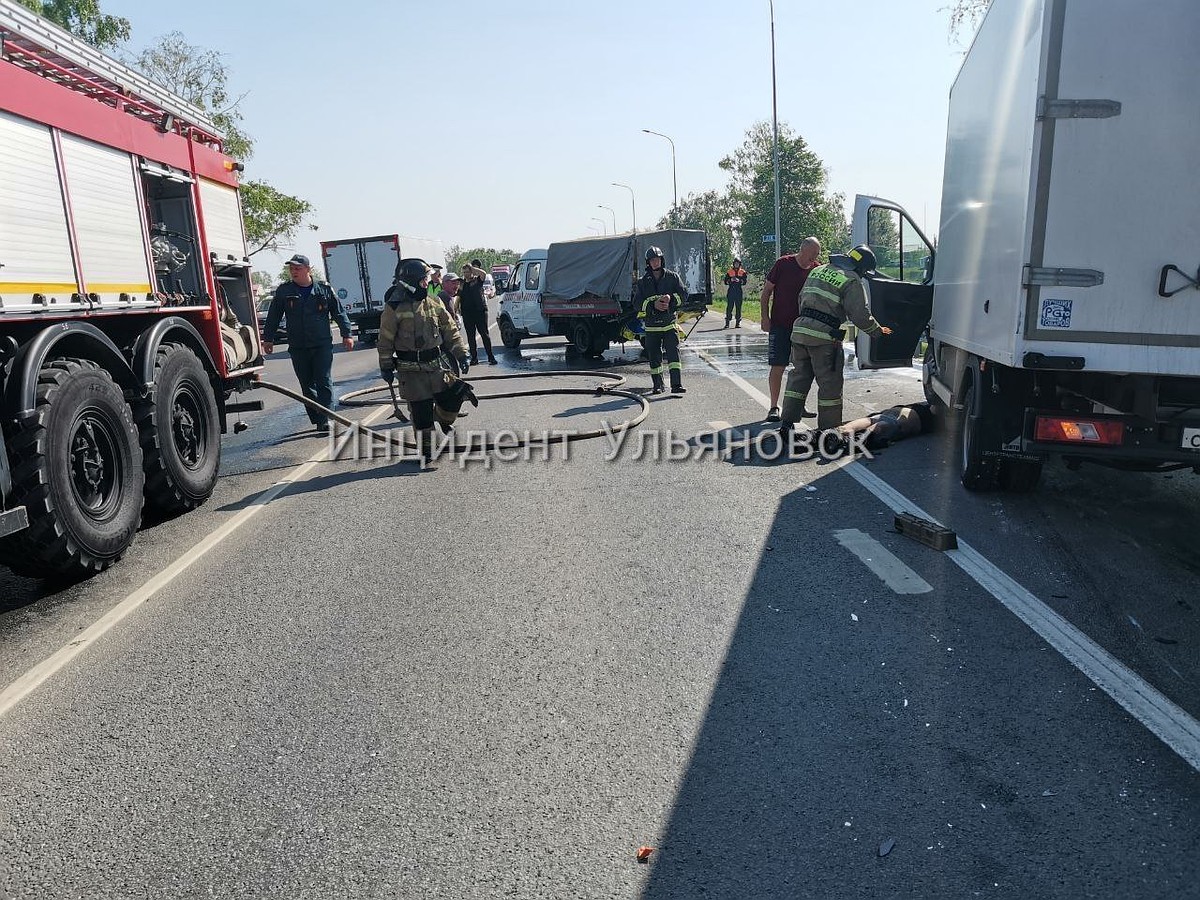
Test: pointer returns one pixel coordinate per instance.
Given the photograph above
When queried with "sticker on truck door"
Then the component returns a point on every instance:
(1055, 313)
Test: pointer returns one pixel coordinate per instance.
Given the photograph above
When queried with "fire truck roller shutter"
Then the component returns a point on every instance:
(222, 221)
(35, 246)
(109, 227)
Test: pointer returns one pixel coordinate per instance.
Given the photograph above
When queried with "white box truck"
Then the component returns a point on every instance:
(360, 270)
(1063, 300)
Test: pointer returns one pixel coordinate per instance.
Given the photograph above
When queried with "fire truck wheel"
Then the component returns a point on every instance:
(78, 472)
(180, 433)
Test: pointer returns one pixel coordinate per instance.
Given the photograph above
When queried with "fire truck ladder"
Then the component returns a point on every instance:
(36, 45)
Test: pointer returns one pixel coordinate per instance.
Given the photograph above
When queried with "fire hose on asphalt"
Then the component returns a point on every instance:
(611, 387)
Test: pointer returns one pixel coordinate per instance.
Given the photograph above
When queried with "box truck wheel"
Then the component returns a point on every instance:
(978, 473)
(508, 334)
(180, 432)
(78, 472)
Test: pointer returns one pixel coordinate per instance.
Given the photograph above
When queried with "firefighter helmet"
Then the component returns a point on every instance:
(653, 252)
(409, 274)
(863, 258)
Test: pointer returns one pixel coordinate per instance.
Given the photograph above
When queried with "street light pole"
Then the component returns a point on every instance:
(632, 202)
(775, 127)
(603, 224)
(614, 215)
(674, 180)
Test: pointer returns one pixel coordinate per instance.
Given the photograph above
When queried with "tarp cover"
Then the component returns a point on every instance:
(602, 266)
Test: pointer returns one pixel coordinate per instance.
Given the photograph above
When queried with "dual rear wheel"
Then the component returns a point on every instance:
(84, 462)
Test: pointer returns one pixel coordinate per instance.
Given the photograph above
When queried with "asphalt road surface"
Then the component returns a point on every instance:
(502, 678)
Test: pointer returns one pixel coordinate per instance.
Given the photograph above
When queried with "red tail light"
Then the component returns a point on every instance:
(1053, 429)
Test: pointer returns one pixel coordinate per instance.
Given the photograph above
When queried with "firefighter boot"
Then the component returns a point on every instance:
(677, 382)
(658, 386)
(425, 449)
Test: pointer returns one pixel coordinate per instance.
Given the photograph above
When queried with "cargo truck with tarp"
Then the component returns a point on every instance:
(582, 289)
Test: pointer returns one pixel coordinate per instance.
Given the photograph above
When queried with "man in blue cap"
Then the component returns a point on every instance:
(309, 307)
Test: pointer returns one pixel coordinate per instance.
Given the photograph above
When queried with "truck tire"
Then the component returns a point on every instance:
(508, 334)
(928, 364)
(77, 469)
(180, 433)
(588, 339)
(977, 472)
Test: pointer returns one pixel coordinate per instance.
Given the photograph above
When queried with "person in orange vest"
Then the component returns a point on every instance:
(735, 280)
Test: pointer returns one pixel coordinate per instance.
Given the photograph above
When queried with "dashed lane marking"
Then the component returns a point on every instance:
(885, 564)
(1171, 724)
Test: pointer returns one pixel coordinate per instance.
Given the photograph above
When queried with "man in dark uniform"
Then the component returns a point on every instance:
(309, 307)
(660, 293)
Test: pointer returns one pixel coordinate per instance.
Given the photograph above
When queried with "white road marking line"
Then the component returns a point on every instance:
(891, 571)
(735, 378)
(720, 426)
(1171, 724)
(27, 683)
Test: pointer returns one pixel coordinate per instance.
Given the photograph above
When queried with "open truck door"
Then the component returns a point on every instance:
(901, 290)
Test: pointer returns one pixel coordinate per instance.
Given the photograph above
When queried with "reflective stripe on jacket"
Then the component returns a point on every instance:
(835, 293)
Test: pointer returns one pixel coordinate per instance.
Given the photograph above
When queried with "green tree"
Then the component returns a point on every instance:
(806, 207)
(264, 282)
(710, 211)
(489, 256)
(271, 217)
(883, 236)
(199, 76)
(83, 19)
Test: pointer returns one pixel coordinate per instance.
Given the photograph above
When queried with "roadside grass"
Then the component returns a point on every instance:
(751, 309)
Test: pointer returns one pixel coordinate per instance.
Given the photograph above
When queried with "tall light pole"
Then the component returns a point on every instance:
(614, 215)
(632, 202)
(674, 180)
(603, 224)
(775, 127)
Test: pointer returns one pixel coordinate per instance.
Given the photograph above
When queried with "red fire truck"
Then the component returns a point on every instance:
(126, 314)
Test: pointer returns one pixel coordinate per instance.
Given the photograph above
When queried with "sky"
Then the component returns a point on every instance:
(504, 124)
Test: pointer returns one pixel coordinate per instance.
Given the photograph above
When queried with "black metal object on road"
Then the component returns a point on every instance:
(931, 534)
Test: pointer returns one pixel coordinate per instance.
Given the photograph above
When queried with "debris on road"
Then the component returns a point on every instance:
(643, 854)
(886, 847)
(931, 534)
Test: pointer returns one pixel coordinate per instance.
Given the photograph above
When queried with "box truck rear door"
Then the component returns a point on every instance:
(901, 291)
(1116, 191)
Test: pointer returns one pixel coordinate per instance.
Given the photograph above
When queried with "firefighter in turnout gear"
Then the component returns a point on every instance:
(414, 330)
(832, 293)
(660, 293)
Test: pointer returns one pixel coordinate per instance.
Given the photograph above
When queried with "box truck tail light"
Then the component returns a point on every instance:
(1079, 431)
